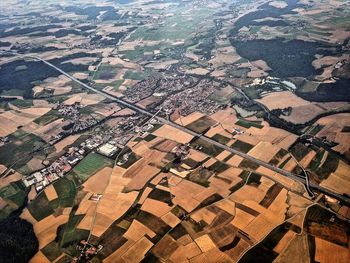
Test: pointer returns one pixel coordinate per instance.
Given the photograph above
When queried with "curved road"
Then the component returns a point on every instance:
(313, 186)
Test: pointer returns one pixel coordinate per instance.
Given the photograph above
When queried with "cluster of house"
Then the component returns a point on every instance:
(87, 251)
(57, 169)
(77, 123)
(193, 99)
(106, 143)
(66, 162)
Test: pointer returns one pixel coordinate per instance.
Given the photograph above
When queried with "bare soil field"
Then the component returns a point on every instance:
(51, 193)
(168, 132)
(12, 119)
(281, 100)
(296, 252)
(190, 118)
(339, 181)
(45, 230)
(39, 258)
(9, 179)
(84, 99)
(303, 114)
(137, 230)
(330, 252)
(156, 207)
(99, 181)
(333, 130)
(137, 252)
(264, 151)
(205, 243)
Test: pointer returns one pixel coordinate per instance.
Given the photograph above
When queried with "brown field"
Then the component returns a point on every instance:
(248, 192)
(307, 159)
(242, 219)
(281, 100)
(203, 214)
(235, 160)
(332, 130)
(239, 249)
(162, 65)
(11, 119)
(137, 252)
(84, 99)
(286, 182)
(185, 252)
(330, 252)
(144, 195)
(116, 255)
(168, 132)
(28, 216)
(45, 230)
(224, 55)
(7, 126)
(80, 75)
(185, 192)
(51, 192)
(284, 242)
(339, 181)
(197, 155)
(9, 179)
(264, 151)
(106, 109)
(218, 130)
(66, 142)
(226, 118)
(296, 252)
(106, 216)
(39, 257)
(297, 205)
(170, 219)
(137, 230)
(303, 114)
(140, 175)
(205, 243)
(155, 207)
(227, 206)
(197, 71)
(113, 197)
(190, 118)
(99, 181)
(277, 137)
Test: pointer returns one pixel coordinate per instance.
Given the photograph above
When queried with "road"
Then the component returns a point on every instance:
(126, 104)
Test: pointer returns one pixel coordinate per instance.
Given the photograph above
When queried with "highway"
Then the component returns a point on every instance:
(126, 104)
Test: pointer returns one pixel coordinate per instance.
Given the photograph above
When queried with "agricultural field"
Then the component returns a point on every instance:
(174, 131)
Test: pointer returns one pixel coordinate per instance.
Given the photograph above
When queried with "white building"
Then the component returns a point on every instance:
(107, 149)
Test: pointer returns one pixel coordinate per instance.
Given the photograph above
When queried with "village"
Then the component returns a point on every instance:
(105, 142)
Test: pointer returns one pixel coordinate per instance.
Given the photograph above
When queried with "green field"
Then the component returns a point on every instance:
(177, 26)
(248, 124)
(14, 192)
(201, 125)
(20, 149)
(22, 103)
(207, 147)
(242, 146)
(47, 118)
(52, 251)
(91, 164)
(40, 207)
(66, 192)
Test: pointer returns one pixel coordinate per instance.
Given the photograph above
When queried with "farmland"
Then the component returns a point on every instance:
(172, 149)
